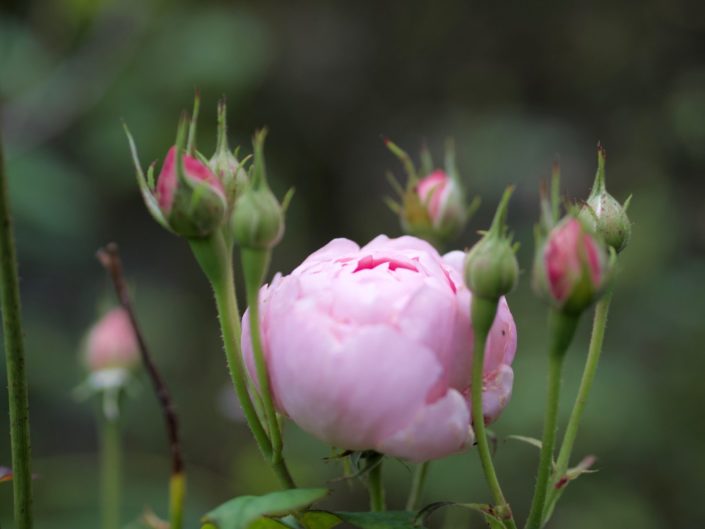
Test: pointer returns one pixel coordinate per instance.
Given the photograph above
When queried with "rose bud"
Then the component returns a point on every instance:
(110, 354)
(224, 163)
(111, 343)
(371, 348)
(571, 267)
(187, 199)
(432, 206)
(258, 218)
(603, 214)
(491, 268)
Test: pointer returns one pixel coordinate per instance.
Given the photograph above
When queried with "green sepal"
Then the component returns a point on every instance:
(191, 142)
(252, 512)
(147, 194)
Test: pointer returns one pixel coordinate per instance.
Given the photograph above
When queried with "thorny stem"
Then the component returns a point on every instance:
(18, 399)
(254, 267)
(561, 331)
(110, 259)
(571, 432)
(483, 314)
(216, 261)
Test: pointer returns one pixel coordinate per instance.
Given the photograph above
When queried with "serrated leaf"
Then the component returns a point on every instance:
(243, 512)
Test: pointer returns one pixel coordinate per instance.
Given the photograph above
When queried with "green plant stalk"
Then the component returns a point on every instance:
(417, 484)
(111, 472)
(177, 493)
(215, 258)
(589, 371)
(18, 399)
(374, 484)
(483, 315)
(216, 261)
(254, 268)
(561, 329)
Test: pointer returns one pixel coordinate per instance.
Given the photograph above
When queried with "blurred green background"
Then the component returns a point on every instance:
(514, 85)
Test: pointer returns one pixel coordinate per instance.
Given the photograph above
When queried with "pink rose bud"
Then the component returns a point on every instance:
(571, 267)
(371, 348)
(188, 198)
(443, 199)
(111, 343)
(433, 203)
(193, 204)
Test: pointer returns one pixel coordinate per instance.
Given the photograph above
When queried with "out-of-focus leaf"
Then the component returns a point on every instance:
(361, 520)
(248, 512)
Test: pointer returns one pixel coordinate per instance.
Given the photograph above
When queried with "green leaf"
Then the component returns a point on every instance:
(248, 512)
(488, 512)
(361, 520)
(320, 519)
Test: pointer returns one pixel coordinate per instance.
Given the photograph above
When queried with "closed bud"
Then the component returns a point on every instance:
(257, 221)
(224, 163)
(111, 343)
(191, 198)
(433, 204)
(187, 198)
(491, 268)
(603, 214)
(571, 267)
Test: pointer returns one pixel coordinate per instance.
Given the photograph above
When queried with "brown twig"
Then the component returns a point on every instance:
(110, 259)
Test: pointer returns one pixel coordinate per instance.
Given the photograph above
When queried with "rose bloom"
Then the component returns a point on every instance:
(371, 348)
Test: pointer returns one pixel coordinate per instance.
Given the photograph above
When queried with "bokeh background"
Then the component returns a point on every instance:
(513, 84)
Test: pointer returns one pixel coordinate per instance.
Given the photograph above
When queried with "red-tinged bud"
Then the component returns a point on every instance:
(188, 199)
(432, 205)
(111, 343)
(571, 267)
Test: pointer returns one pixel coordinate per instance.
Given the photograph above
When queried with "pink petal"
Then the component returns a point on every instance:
(437, 430)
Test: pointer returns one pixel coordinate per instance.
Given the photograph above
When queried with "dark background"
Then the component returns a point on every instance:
(514, 85)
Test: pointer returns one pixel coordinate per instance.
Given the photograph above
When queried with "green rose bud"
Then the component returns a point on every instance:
(603, 214)
(258, 218)
(491, 268)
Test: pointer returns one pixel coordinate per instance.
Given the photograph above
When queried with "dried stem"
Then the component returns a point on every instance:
(110, 259)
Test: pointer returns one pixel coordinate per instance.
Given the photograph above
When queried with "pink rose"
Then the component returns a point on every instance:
(111, 343)
(371, 348)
